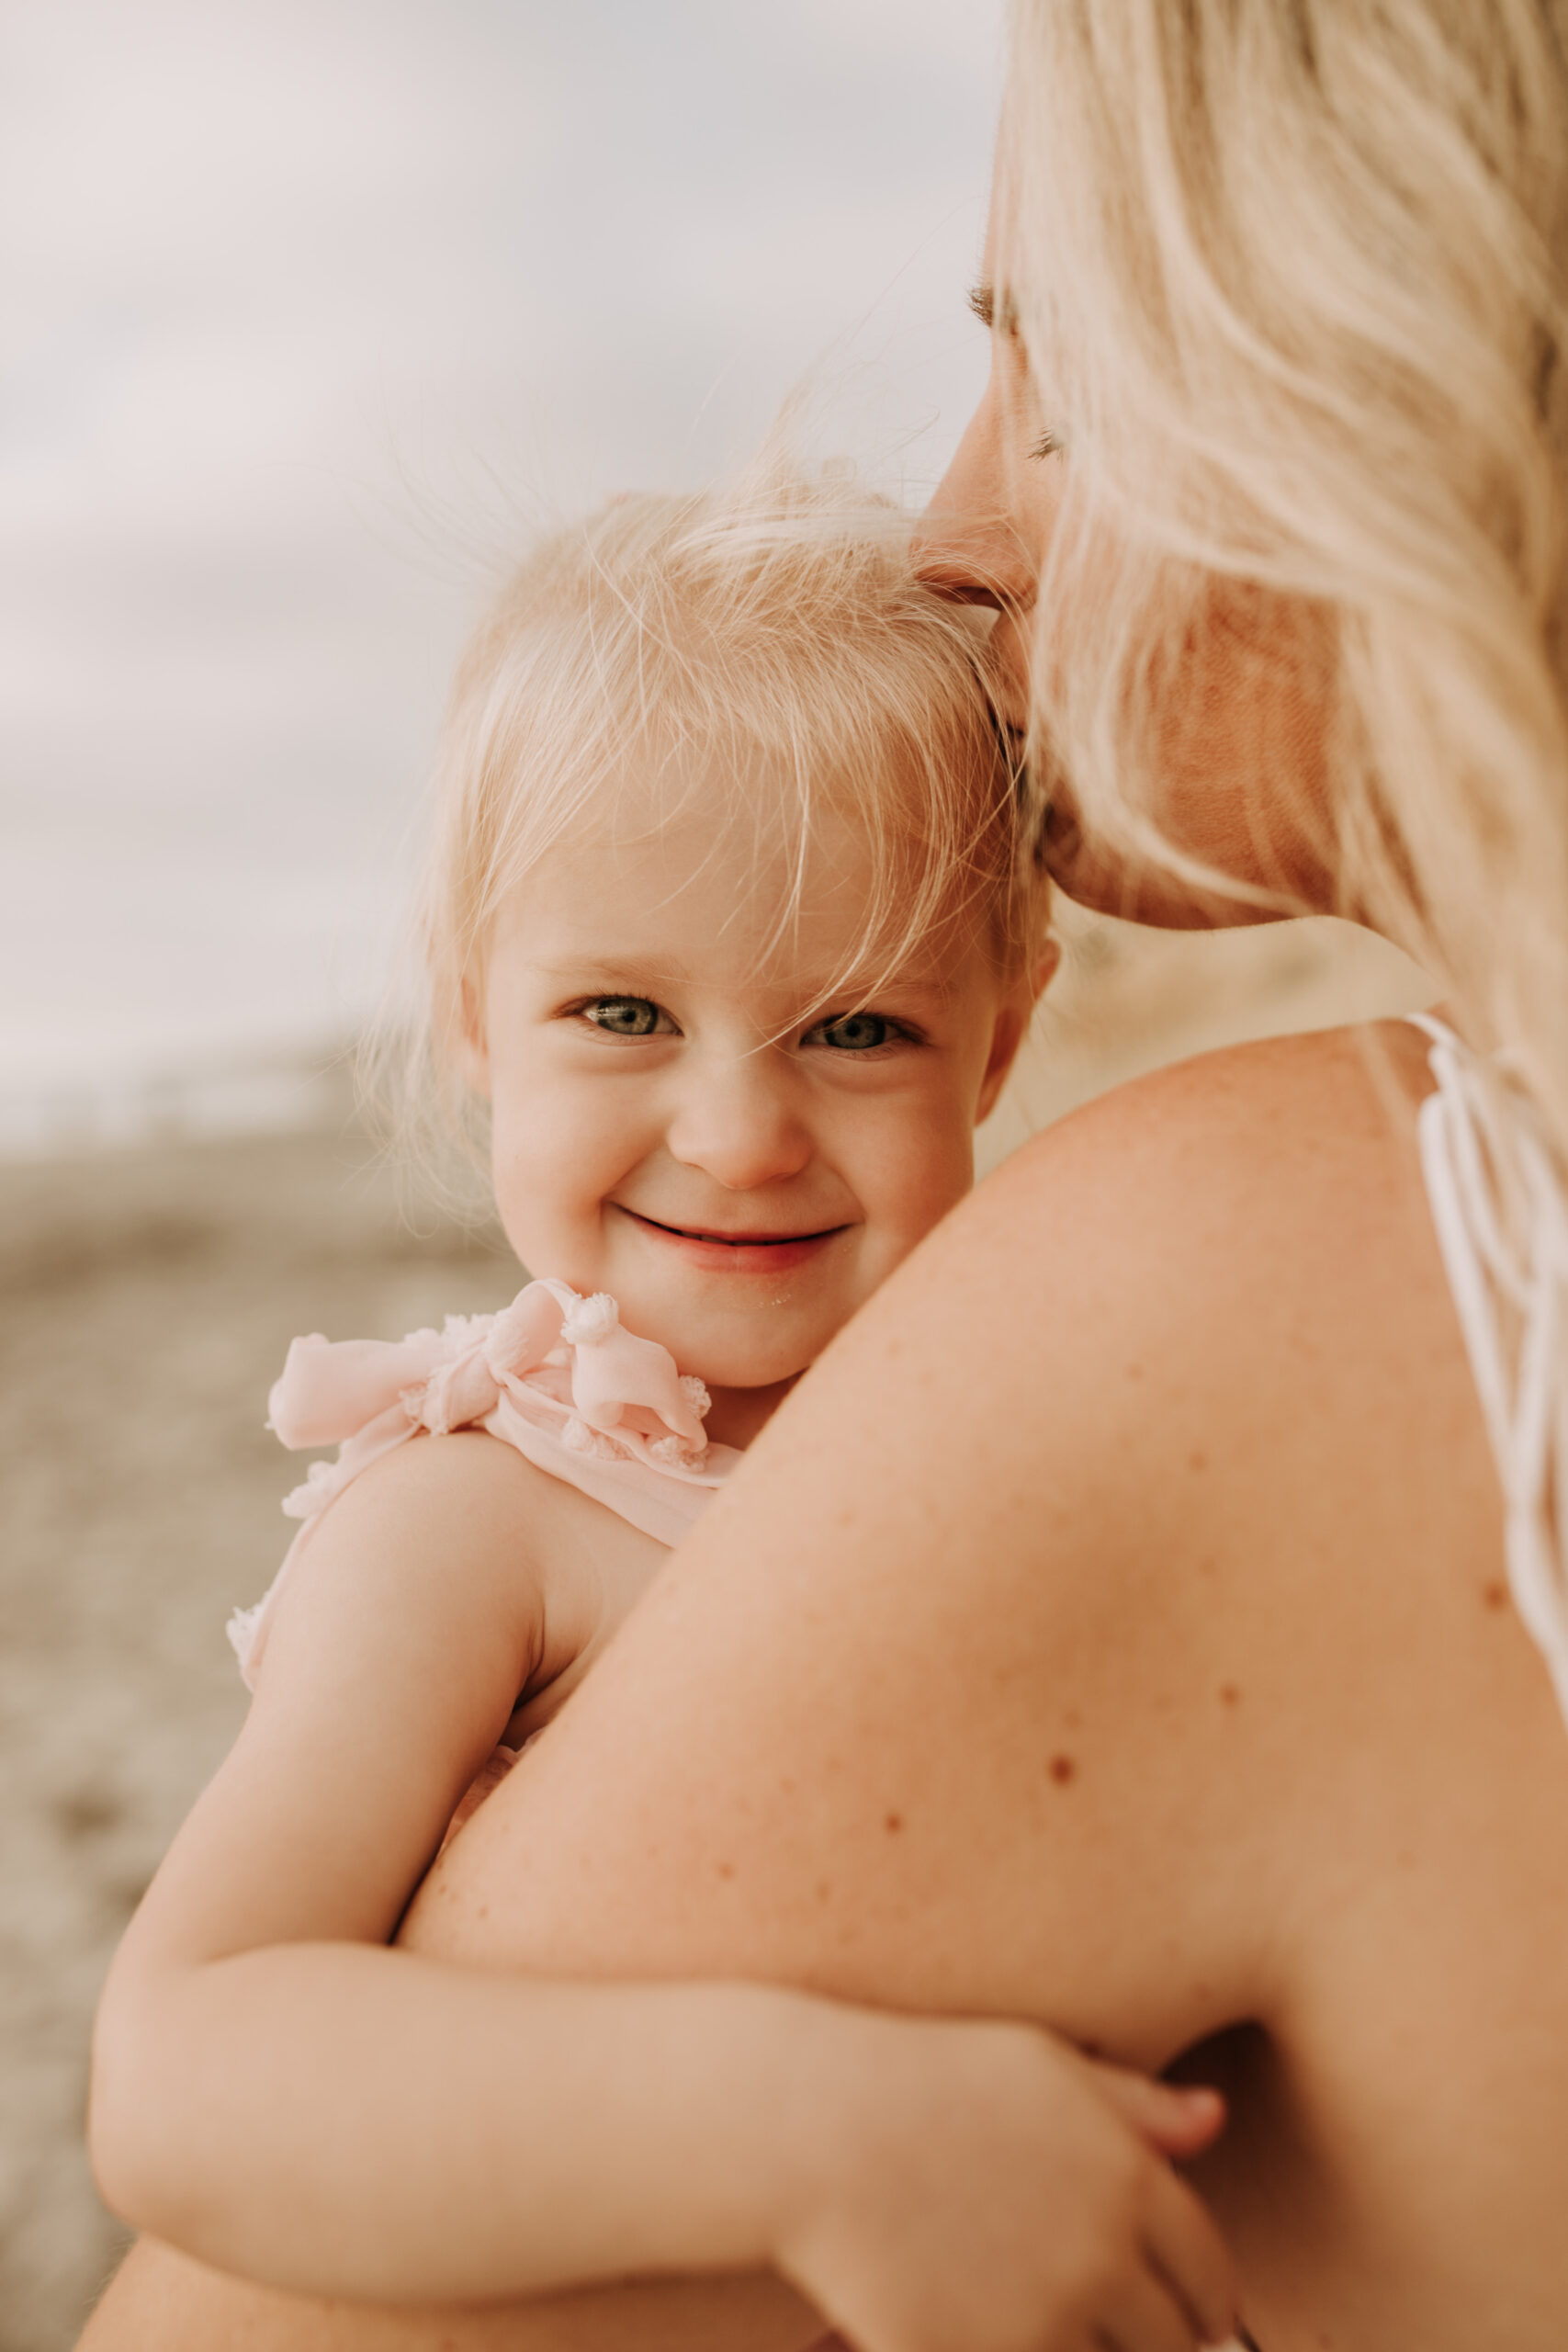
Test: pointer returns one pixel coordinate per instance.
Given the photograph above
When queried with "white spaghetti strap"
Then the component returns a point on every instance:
(1508, 1274)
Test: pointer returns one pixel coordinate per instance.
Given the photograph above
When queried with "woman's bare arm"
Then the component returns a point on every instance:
(1012, 1626)
(972, 1695)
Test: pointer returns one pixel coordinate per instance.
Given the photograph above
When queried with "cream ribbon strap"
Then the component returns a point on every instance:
(1501, 1224)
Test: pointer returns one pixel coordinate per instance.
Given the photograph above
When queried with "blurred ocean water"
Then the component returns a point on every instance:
(152, 992)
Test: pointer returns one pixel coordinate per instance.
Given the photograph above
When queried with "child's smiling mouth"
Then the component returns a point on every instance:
(755, 1251)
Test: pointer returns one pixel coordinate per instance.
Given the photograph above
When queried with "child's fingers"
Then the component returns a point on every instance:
(1185, 2250)
(1178, 2121)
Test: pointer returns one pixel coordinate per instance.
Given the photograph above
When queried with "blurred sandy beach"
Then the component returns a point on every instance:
(148, 1299)
(148, 1295)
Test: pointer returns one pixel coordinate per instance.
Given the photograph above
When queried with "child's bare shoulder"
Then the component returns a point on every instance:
(461, 1505)
(466, 1522)
(465, 1468)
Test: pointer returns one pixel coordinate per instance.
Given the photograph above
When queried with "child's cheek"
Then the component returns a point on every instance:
(561, 1151)
(935, 1170)
(527, 1168)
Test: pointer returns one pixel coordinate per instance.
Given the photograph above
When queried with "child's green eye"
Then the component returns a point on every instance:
(623, 1016)
(857, 1033)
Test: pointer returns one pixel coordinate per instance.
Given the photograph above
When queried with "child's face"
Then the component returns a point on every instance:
(673, 1123)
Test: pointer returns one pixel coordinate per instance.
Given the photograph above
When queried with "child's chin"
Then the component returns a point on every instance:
(740, 1368)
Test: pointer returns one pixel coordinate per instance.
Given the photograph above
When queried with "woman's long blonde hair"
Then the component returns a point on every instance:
(1291, 277)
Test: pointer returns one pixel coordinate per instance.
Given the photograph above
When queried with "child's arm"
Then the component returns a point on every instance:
(258, 2047)
(278, 2094)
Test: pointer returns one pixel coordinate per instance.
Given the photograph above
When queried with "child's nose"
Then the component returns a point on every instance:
(737, 1121)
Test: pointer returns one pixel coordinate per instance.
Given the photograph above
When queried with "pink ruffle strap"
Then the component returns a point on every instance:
(555, 1374)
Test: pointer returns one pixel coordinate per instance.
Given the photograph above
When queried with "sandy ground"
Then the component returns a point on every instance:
(148, 1297)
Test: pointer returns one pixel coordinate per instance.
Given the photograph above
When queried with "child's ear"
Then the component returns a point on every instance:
(1007, 1036)
(472, 1046)
(1013, 1017)
(1044, 970)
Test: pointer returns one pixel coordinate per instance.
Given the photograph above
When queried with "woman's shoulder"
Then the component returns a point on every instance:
(1332, 1089)
(1246, 1156)
(1233, 1257)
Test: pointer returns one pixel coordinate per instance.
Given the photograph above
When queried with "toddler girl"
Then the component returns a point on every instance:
(733, 931)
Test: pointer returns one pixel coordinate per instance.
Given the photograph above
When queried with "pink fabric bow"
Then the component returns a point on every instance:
(334, 1391)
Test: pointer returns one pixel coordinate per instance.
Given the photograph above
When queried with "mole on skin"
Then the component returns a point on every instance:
(1062, 1769)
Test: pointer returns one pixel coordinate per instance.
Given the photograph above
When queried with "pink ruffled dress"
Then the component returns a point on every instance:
(555, 1374)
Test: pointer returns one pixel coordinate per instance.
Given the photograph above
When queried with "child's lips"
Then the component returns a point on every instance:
(754, 1250)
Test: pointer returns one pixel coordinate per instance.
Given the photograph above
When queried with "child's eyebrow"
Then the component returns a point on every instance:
(915, 985)
(926, 971)
(603, 971)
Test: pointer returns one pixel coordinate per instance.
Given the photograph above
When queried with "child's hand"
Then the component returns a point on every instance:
(981, 2187)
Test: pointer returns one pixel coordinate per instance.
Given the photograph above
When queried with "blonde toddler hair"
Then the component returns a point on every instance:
(768, 649)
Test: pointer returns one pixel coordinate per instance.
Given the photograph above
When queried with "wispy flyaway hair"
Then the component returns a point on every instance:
(767, 652)
(1292, 280)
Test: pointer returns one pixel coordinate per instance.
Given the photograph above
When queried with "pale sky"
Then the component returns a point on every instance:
(313, 309)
